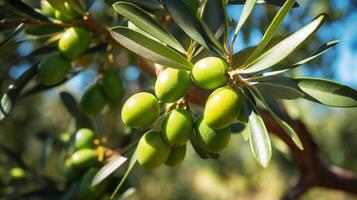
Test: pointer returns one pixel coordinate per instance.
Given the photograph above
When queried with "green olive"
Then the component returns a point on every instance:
(84, 138)
(53, 69)
(222, 108)
(152, 150)
(74, 42)
(210, 73)
(171, 85)
(85, 189)
(140, 110)
(177, 127)
(69, 171)
(176, 156)
(47, 8)
(93, 100)
(17, 174)
(112, 85)
(70, 14)
(213, 140)
(84, 158)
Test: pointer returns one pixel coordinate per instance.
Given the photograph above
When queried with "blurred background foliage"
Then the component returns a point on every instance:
(34, 130)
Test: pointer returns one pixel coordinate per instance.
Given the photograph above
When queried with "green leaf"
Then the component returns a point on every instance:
(284, 68)
(327, 92)
(149, 48)
(132, 163)
(15, 32)
(272, 2)
(259, 138)
(278, 116)
(247, 9)
(58, 5)
(284, 48)
(145, 22)
(44, 29)
(77, 5)
(273, 27)
(192, 5)
(24, 8)
(192, 26)
(108, 169)
(9, 98)
(280, 91)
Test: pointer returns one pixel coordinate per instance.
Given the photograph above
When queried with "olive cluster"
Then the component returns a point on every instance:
(211, 130)
(83, 164)
(73, 43)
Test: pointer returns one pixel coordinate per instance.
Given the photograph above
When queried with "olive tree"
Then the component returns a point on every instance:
(202, 91)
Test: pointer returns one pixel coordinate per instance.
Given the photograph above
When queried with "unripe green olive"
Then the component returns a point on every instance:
(85, 190)
(152, 150)
(177, 127)
(74, 42)
(47, 8)
(210, 73)
(213, 140)
(176, 156)
(53, 69)
(93, 100)
(84, 158)
(171, 85)
(140, 110)
(112, 85)
(222, 108)
(84, 138)
(68, 16)
(69, 171)
(17, 174)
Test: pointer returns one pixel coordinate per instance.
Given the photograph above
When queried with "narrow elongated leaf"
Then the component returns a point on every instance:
(9, 98)
(272, 2)
(108, 169)
(273, 27)
(127, 194)
(149, 48)
(279, 117)
(77, 5)
(58, 5)
(145, 22)
(327, 92)
(24, 8)
(284, 48)
(132, 163)
(310, 56)
(15, 32)
(247, 9)
(280, 91)
(192, 26)
(259, 138)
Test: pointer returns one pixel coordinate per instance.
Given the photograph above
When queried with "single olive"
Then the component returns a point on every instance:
(53, 69)
(222, 108)
(171, 85)
(74, 42)
(17, 174)
(84, 158)
(176, 156)
(112, 85)
(152, 150)
(85, 189)
(69, 15)
(84, 138)
(93, 100)
(177, 127)
(47, 8)
(213, 140)
(210, 73)
(140, 110)
(69, 171)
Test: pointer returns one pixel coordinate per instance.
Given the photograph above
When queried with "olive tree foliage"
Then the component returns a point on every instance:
(172, 34)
